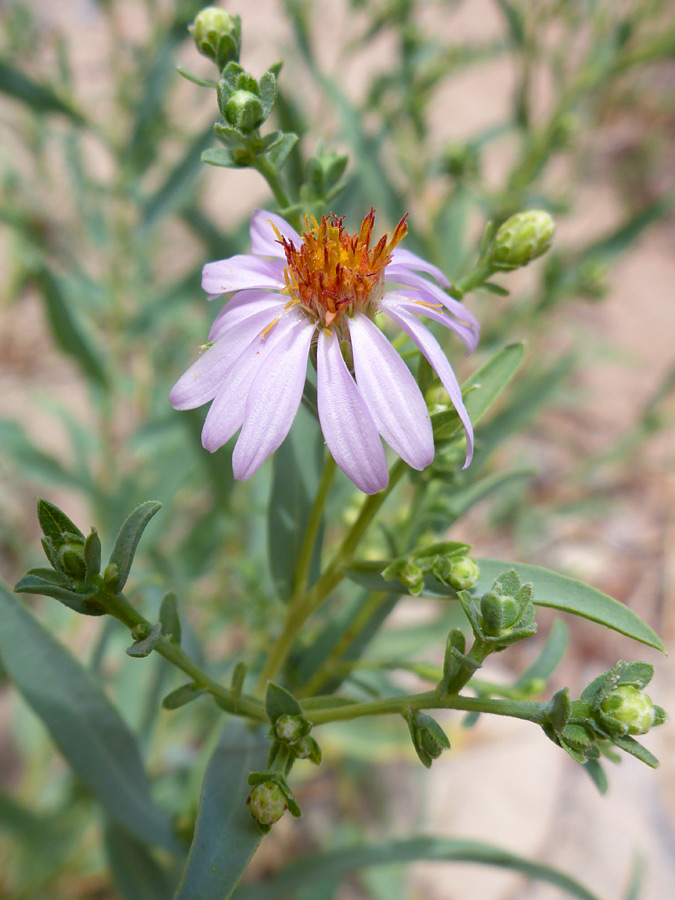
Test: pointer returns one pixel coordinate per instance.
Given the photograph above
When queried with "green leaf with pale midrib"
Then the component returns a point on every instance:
(550, 589)
(81, 720)
(337, 862)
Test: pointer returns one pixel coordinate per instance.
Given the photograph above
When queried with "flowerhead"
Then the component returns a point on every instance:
(323, 288)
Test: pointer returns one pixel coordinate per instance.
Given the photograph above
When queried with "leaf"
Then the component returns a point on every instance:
(82, 722)
(219, 156)
(32, 583)
(182, 695)
(34, 462)
(489, 381)
(169, 619)
(465, 497)
(277, 152)
(66, 332)
(141, 649)
(56, 525)
(338, 862)
(280, 702)
(129, 535)
(550, 589)
(178, 184)
(134, 870)
(597, 775)
(226, 835)
(39, 97)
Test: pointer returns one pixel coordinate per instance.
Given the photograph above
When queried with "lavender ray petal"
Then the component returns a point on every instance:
(227, 410)
(241, 306)
(412, 279)
(391, 394)
(263, 238)
(203, 379)
(430, 347)
(242, 272)
(406, 260)
(273, 400)
(432, 310)
(348, 427)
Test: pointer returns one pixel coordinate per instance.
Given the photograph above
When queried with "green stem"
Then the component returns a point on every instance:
(312, 529)
(474, 279)
(120, 607)
(529, 710)
(271, 176)
(301, 609)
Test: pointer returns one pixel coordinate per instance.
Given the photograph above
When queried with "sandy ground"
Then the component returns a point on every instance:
(529, 797)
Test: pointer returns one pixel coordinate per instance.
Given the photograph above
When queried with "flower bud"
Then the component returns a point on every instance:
(290, 729)
(522, 238)
(463, 573)
(498, 612)
(245, 111)
(71, 558)
(407, 572)
(217, 35)
(267, 803)
(307, 748)
(429, 739)
(629, 709)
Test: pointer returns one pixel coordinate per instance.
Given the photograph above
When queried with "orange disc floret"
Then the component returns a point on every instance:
(334, 272)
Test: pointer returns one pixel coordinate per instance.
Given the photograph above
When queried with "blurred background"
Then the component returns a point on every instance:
(460, 113)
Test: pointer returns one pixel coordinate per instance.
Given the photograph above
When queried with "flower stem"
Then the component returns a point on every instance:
(529, 710)
(271, 176)
(120, 607)
(312, 529)
(305, 604)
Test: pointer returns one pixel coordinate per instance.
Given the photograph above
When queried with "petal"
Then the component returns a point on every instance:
(347, 425)
(406, 260)
(203, 379)
(414, 302)
(391, 394)
(264, 241)
(242, 272)
(241, 306)
(273, 400)
(401, 276)
(437, 359)
(227, 410)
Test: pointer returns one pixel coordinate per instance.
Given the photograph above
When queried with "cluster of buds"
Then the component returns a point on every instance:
(429, 739)
(504, 614)
(612, 709)
(520, 239)
(291, 740)
(446, 562)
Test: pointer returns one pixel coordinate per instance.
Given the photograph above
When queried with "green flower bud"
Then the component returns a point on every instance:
(522, 238)
(498, 612)
(463, 573)
(111, 576)
(217, 35)
(71, 559)
(245, 111)
(629, 709)
(307, 748)
(429, 739)
(461, 161)
(290, 729)
(267, 803)
(407, 572)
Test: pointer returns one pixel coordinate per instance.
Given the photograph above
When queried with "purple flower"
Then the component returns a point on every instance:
(325, 286)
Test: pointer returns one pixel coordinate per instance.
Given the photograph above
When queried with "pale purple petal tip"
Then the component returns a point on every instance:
(264, 241)
(242, 272)
(391, 394)
(430, 347)
(273, 400)
(348, 427)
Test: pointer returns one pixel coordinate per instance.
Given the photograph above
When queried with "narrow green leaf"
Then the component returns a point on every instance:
(129, 535)
(219, 156)
(277, 153)
(34, 462)
(550, 589)
(339, 862)
(630, 745)
(182, 695)
(67, 333)
(56, 525)
(551, 654)
(463, 499)
(48, 587)
(136, 873)
(176, 188)
(489, 381)
(280, 702)
(39, 97)
(226, 835)
(169, 619)
(143, 648)
(81, 720)
(597, 775)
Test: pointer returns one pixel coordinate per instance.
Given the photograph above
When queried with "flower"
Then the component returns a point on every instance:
(323, 288)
